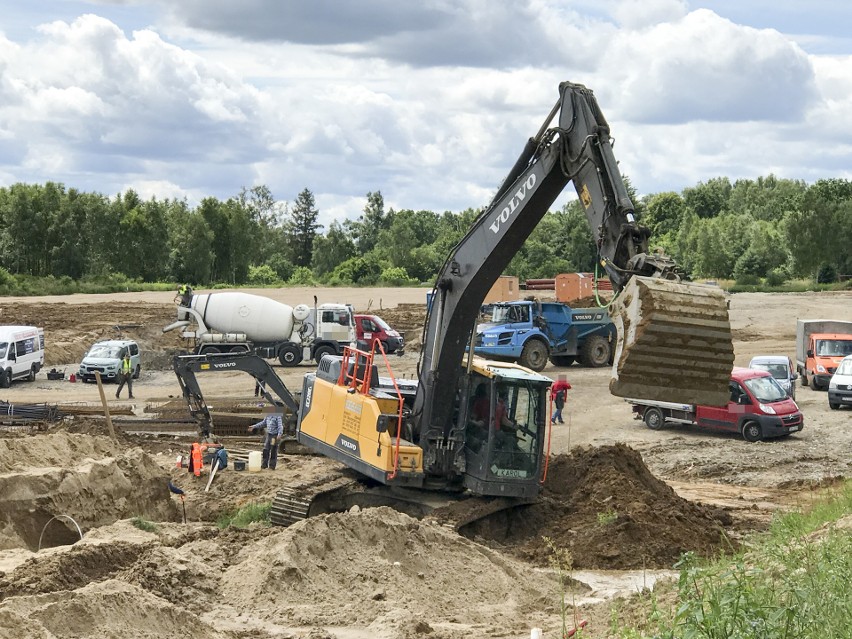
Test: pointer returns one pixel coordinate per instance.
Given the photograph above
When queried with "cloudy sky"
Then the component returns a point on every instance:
(429, 102)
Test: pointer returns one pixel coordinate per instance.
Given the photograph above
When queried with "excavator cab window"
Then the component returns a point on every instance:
(504, 427)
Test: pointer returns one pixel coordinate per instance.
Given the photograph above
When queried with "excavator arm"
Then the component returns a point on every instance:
(669, 325)
(186, 368)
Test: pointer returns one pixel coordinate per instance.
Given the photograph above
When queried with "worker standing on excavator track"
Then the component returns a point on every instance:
(274, 426)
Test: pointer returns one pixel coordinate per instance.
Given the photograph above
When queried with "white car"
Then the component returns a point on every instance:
(840, 386)
(105, 357)
(780, 367)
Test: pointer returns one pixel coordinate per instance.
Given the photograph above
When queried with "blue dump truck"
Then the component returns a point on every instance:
(530, 332)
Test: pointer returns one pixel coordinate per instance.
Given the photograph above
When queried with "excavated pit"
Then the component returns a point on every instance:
(674, 343)
(606, 508)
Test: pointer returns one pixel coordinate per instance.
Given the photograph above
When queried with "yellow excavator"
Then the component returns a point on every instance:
(471, 427)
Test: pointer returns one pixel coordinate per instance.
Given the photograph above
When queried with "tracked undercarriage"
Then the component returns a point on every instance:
(343, 489)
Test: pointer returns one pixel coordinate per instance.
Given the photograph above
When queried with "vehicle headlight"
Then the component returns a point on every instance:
(820, 368)
(766, 409)
(832, 385)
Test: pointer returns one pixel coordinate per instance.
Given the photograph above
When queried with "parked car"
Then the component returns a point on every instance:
(373, 327)
(780, 367)
(105, 357)
(840, 385)
(21, 353)
(758, 408)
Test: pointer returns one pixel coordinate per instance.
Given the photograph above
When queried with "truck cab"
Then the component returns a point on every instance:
(531, 332)
(372, 327)
(824, 353)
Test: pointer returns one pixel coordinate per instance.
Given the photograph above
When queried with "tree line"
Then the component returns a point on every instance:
(765, 228)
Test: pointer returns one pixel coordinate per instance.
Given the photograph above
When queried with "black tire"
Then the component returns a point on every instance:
(238, 349)
(137, 372)
(323, 350)
(290, 355)
(595, 352)
(804, 379)
(814, 385)
(5, 378)
(654, 418)
(535, 355)
(562, 360)
(752, 432)
(385, 347)
(833, 406)
(31, 376)
(210, 350)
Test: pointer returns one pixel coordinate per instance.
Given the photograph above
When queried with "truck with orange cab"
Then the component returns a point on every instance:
(820, 346)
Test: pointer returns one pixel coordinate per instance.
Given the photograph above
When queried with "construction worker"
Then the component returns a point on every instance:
(185, 294)
(126, 376)
(274, 426)
(559, 392)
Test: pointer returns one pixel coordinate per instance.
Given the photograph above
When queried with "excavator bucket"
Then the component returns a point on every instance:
(674, 343)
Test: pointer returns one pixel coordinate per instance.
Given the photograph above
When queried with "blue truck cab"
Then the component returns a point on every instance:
(530, 332)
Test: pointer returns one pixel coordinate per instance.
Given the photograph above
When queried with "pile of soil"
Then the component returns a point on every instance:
(91, 480)
(375, 569)
(604, 506)
(70, 329)
(409, 320)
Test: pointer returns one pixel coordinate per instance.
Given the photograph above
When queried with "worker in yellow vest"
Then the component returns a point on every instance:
(126, 376)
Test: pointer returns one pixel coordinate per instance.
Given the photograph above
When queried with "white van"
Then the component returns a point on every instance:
(840, 386)
(21, 353)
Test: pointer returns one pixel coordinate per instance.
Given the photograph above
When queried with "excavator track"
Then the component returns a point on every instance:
(344, 489)
(299, 501)
(674, 342)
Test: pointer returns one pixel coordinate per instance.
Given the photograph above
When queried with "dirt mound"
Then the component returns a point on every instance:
(91, 480)
(108, 610)
(357, 567)
(606, 508)
(409, 320)
(70, 329)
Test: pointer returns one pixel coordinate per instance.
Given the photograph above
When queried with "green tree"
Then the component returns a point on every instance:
(664, 213)
(190, 247)
(366, 229)
(302, 228)
(708, 199)
(331, 249)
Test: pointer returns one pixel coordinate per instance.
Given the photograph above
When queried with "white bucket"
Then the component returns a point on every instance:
(254, 461)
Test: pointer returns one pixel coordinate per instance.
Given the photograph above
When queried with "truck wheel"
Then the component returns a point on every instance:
(804, 379)
(752, 431)
(290, 355)
(6, 378)
(654, 418)
(534, 355)
(562, 360)
(595, 351)
(31, 376)
(833, 406)
(210, 350)
(323, 350)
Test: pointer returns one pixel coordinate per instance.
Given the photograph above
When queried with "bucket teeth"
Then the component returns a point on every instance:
(674, 343)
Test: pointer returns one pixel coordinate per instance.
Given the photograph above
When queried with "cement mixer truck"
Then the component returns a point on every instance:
(234, 322)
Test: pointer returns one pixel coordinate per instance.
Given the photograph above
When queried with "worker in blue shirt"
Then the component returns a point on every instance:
(274, 425)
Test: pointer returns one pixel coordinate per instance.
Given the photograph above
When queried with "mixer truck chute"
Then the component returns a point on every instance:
(235, 322)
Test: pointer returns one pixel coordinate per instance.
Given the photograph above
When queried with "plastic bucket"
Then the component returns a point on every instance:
(254, 461)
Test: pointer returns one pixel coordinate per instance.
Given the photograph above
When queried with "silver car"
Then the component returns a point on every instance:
(105, 357)
(780, 367)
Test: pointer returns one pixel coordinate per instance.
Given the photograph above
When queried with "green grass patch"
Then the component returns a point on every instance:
(790, 582)
(144, 524)
(248, 514)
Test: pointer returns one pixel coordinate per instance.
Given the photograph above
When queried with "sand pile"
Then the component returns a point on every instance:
(356, 568)
(89, 478)
(606, 508)
(377, 570)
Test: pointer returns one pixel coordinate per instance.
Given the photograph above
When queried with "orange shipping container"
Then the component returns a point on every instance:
(505, 289)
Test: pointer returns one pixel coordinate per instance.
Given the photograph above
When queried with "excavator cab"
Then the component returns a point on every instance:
(505, 419)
